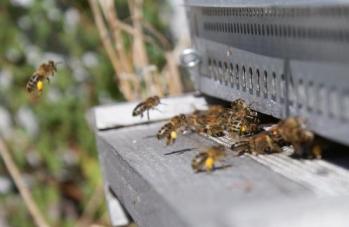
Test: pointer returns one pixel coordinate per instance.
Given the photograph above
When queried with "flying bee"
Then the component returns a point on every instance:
(205, 161)
(145, 106)
(170, 129)
(44, 71)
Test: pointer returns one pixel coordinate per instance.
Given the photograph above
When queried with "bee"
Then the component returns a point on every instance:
(145, 106)
(170, 129)
(211, 122)
(238, 104)
(43, 72)
(242, 127)
(239, 108)
(214, 130)
(215, 109)
(293, 131)
(290, 131)
(315, 151)
(241, 119)
(205, 161)
(261, 143)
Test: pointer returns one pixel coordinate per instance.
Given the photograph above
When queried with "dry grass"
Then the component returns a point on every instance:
(21, 186)
(132, 67)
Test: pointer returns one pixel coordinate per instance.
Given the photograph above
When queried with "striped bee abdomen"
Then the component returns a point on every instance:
(33, 80)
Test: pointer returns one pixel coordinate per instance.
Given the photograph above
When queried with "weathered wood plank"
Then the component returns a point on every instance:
(162, 190)
(113, 116)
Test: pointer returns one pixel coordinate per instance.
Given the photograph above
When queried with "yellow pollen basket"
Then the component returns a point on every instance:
(209, 163)
(243, 129)
(173, 135)
(40, 86)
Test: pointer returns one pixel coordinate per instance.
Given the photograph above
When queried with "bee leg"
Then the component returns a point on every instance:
(171, 138)
(299, 151)
(169, 141)
(157, 110)
(242, 152)
(48, 79)
(148, 115)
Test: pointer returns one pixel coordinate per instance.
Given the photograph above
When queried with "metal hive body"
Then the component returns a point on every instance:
(287, 58)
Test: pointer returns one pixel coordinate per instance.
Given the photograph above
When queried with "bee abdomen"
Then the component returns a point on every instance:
(198, 161)
(139, 109)
(33, 80)
(163, 131)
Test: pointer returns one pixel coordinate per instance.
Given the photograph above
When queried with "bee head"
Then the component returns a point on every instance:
(238, 104)
(182, 117)
(52, 64)
(156, 99)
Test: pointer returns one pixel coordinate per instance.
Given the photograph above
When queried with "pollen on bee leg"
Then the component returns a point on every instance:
(209, 164)
(173, 135)
(40, 86)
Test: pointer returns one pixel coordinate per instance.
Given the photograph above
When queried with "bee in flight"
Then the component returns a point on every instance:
(145, 106)
(44, 71)
(205, 161)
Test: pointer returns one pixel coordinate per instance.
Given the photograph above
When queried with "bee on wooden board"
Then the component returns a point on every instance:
(171, 128)
(214, 130)
(145, 106)
(206, 160)
(212, 125)
(242, 127)
(43, 72)
(239, 108)
(241, 119)
(290, 131)
(209, 122)
(261, 143)
(197, 119)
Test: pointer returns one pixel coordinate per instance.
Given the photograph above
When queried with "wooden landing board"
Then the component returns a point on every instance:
(120, 115)
(157, 186)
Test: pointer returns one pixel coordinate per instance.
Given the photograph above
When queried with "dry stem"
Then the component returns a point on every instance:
(175, 87)
(22, 187)
(91, 206)
(131, 71)
(107, 43)
(140, 57)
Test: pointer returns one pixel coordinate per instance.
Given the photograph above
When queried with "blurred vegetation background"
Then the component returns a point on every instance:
(48, 136)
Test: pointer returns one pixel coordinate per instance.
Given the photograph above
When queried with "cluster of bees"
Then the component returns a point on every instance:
(240, 122)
